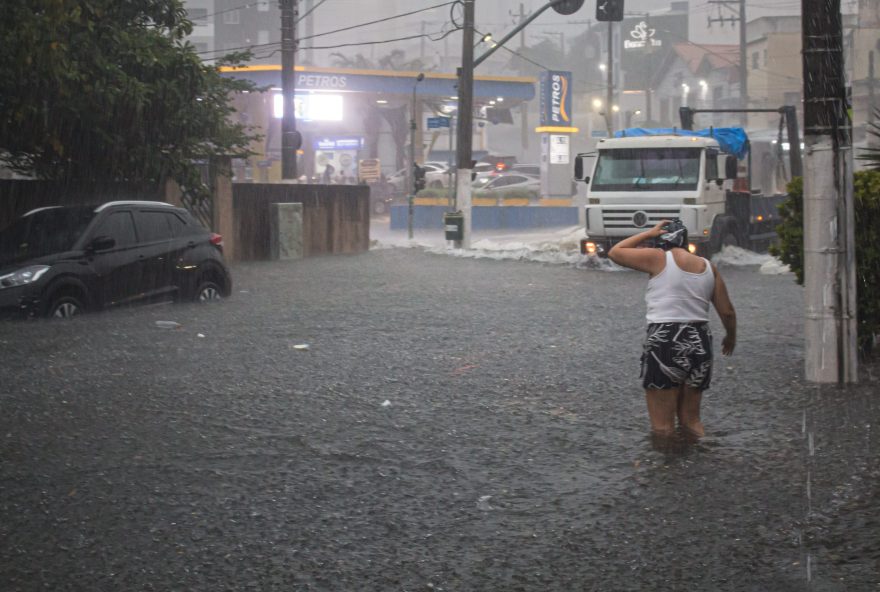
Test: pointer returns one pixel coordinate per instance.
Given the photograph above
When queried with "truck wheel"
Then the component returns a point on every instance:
(723, 234)
(729, 239)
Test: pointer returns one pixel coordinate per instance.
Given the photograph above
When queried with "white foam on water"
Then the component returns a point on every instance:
(555, 246)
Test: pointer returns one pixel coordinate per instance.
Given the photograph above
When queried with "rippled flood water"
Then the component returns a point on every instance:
(453, 425)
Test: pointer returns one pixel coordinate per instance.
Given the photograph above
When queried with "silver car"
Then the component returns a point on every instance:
(505, 183)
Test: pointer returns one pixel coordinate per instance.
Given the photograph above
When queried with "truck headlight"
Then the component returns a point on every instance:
(25, 275)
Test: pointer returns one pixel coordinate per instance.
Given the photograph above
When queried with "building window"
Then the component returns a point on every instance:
(717, 95)
(199, 16)
(262, 37)
(263, 6)
(755, 58)
(233, 17)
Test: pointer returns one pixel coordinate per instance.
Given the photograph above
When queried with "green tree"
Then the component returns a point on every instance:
(110, 90)
(872, 155)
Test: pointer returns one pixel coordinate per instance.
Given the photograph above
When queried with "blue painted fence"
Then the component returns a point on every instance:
(489, 217)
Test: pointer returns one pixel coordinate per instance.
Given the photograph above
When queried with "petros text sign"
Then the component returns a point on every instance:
(321, 81)
(556, 98)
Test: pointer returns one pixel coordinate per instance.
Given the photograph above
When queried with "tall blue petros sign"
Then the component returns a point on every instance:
(556, 98)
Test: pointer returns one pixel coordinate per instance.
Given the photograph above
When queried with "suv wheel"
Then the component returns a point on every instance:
(65, 306)
(208, 291)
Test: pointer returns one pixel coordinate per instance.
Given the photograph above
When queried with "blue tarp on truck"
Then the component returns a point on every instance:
(732, 140)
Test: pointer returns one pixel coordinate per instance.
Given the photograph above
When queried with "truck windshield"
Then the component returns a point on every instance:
(647, 169)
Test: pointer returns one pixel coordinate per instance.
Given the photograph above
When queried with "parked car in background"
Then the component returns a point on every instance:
(435, 176)
(533, 170)
(508, 183)
(65, 260)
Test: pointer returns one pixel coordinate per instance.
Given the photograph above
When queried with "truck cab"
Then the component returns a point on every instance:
(635, 182)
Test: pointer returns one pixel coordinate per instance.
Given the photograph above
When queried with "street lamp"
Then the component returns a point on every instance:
(412, 158)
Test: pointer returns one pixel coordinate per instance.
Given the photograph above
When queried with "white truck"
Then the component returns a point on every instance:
(634, 182)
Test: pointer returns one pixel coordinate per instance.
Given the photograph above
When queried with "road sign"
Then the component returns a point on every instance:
(559, 151)
(369, 169)
(435, 122)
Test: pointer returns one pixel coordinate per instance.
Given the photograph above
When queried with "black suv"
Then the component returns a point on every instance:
(64, 260)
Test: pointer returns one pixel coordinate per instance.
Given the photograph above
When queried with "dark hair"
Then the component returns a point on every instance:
(676, 235)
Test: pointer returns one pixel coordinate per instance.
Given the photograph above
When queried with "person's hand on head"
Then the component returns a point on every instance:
(659, 228)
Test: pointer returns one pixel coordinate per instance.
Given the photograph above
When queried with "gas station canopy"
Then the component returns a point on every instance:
(435, 84)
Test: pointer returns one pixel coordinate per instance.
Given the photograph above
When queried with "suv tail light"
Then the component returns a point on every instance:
(216, 239)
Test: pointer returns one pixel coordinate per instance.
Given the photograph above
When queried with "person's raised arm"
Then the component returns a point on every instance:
(627, 253)
(724, 307)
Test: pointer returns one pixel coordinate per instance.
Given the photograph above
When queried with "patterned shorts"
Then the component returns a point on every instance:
(676, 354)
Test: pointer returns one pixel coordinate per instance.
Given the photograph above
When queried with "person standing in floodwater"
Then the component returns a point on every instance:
(677, 353)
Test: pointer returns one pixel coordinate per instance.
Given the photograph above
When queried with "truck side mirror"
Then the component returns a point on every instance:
(730, 166)
(579, 168)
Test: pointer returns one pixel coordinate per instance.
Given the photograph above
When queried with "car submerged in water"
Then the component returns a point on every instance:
(62, 261)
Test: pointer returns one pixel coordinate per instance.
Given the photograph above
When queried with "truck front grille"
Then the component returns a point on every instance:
(623, 217)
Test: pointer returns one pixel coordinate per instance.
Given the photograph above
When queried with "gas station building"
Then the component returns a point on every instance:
(347, 115)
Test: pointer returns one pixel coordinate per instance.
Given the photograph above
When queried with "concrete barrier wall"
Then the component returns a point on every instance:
(336, 218)
(489, 217)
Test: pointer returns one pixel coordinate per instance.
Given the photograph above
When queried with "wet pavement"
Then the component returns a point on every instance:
(454, 424)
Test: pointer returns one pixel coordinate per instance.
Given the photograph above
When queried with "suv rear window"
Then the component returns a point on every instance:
(119, 226)
(153, 226)
(184, 225)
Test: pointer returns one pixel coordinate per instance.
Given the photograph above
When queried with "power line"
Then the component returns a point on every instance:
(432, 36)
(382, 20)
(407, 38)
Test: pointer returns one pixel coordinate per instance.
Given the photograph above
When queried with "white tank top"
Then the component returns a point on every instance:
(678, 296)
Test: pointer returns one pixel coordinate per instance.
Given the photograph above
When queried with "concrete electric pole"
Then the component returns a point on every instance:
(743, 69)
(464, 132)
(290, 138)
(829, 220)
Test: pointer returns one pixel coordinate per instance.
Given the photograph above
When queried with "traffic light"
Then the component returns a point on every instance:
(567, 7)
(609, 10)
(418, 177)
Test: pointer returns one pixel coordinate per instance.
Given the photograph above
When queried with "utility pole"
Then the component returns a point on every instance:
(411, 176)
(609, 75)
(829, 218)
(871, 86)
(523, 108)
(743, 70)
(464, 132)
(290, 138)
(309, 30)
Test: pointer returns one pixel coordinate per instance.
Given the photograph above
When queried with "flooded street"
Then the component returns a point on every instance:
(453, 424)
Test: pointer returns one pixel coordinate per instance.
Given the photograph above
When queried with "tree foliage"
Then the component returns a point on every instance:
(866, 193)
(872, 154)
(111, 90)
